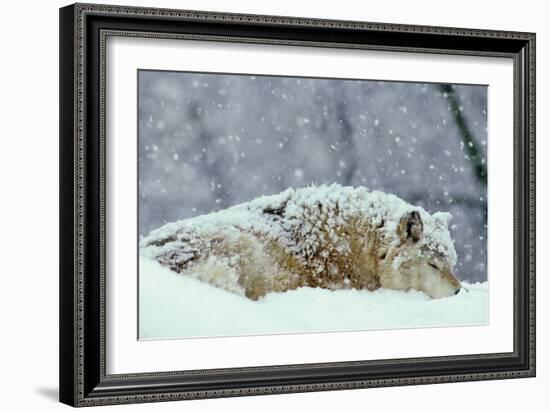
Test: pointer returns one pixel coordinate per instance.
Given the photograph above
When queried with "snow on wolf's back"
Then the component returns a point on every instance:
(318, 236)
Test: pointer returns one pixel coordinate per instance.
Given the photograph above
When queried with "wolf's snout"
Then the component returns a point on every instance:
(457, 291)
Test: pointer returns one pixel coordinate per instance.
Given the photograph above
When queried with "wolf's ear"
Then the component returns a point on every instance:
(410, 226)
(442, 218)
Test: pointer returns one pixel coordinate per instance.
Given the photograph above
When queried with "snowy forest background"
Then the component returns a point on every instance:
(210, 141)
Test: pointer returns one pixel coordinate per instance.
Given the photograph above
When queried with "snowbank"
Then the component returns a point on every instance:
(177, 306)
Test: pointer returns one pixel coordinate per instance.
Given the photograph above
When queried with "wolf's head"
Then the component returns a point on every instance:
(421, 256)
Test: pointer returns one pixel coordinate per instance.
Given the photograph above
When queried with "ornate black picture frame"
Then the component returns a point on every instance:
(83, 31)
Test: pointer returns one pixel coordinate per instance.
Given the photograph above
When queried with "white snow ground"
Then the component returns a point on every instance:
(177, 306)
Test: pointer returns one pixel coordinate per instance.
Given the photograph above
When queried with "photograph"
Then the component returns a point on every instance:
(259, 203)
(283, 204)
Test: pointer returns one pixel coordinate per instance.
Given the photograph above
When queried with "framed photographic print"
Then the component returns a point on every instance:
(261, 204)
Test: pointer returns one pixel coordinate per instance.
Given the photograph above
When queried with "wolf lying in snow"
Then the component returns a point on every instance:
(320, 236)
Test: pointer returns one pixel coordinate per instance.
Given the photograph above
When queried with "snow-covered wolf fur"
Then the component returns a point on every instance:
(320, 236)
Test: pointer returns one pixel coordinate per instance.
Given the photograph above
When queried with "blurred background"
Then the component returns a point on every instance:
(210, 141)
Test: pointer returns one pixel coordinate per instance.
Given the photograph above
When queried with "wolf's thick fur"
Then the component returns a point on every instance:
(326, 236)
